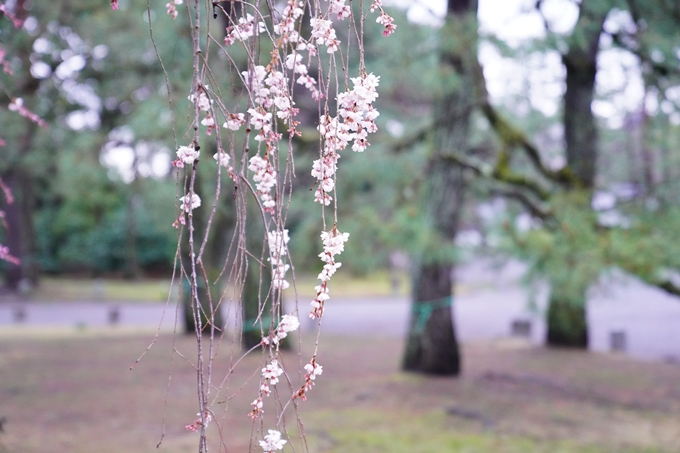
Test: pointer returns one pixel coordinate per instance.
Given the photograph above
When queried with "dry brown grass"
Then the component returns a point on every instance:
(72, 391)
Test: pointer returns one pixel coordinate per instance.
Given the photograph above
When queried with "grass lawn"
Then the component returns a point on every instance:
(64, 390)
(156, 290)
(93, 290)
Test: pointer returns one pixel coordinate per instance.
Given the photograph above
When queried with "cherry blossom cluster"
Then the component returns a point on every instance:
(172, 7)
(246, 28)
(271, 372)
(270, 376)
(313, 370)
(4, 62)
(286, 26)
(323, 33)
(186, 155)
(269, 89)
(223, 159)
(278, 249)
(272, 442)
(234, 121)
(5, 255)
(339, 7)
(358, 120)
(196, 425)
(265, 180)
(205, 105)
(286, 29)
(188, 203)
(17, 105)
(383, 18)
(333, 244)
(288, 323)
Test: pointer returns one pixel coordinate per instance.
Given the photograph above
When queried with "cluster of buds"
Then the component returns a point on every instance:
(265, 180)
(188, 203)
(333, 244)
(313, 370)
(272, 371)
(244, 29)
(186, 155)
(384, 19)
(204, 105)
(288, 323)
(172, 7)
(223, 160)
(358, 120)
(270, 376)
(196, 425)
(278, 249)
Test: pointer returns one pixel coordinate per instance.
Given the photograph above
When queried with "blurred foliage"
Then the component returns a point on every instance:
(83, 202)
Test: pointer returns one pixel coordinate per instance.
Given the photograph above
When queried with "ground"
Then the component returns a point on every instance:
(72, 390)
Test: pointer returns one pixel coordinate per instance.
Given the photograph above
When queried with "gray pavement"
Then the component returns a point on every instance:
(623, 314)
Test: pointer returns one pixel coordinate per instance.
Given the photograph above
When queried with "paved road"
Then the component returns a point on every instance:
(488, 304)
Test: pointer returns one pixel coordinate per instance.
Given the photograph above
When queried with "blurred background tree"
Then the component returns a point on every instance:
(587, 169)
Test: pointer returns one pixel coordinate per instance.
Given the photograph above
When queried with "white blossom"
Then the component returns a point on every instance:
(187, 205)
(272, 442)
(222, 159)
(234, 121)
(272, 371)
(313, 369)
(187, 154)
(203, 102)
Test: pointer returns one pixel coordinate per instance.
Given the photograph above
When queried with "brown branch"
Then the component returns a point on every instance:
(499, 173)
(667, 286)
(514, 138)
(535, 208)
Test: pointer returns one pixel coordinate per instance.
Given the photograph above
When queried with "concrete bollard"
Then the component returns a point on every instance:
(19, 314)
(114, 315)
(617, 341)
(521, 328)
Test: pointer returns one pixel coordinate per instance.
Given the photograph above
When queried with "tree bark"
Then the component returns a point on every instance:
(431, 346)
(13, 273)
(567, 323)
(209, 314)
(255, 289)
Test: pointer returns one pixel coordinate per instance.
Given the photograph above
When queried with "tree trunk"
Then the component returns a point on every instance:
(210, 308)
(254, 294)
(567, 324)
(431, 346)
(20, 234)
(132, 269)
(13, 273)
(210, 313)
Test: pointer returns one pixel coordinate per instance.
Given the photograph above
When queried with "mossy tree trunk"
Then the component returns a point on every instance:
(567, 323)
(432, 347)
